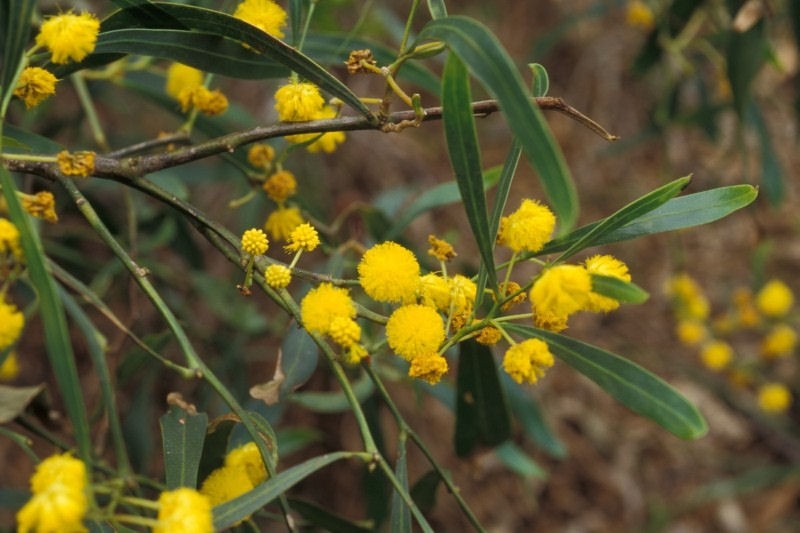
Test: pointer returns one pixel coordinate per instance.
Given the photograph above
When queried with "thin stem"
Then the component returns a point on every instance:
(91, 112)
(407, 29)
(307, 24)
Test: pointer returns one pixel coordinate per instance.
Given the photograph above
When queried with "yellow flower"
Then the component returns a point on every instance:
(181, 78)
(242, 471)
(344, 331)
(254, 242)
(389, 272)
(41, 205)
(528, 360)
(260, 155)
(462, 293)
(434, 291)
(440, 249)
(11, 323)
(280, 186)
(303, 237)
(557, 293)
(605, 265)
(780, 341)
(775, 299)
(690, 332)
(265, 15)
(322, 305)
(76, 163)
(9, 240)
(639, 15)
(278, 276)
(184, 510)
(489, 336)
(206, 101)
(774, 398)
(414, 330)
(688, 296)
(59, 500)
(34, 85)
(354, 353)
(428, 368)
(528, 228)
(282, 221)
(9, 369)
(509, 288)
(716, 355)
(69, 36)
(298, 101)
(325, 142)
(746, 311)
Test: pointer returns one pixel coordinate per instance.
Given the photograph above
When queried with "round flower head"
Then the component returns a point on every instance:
(462, 293)
(254, 242)
(280, 186)
(780, 341)
(303, 237)
(209, 102)
(559, 292)
(182, 77)
(69, 36)
(639, 15)
(434, 291)
(528, 228)
(184, 510)
(489, 336)
(716, 355)
(40, 205)
(9, 241)
(282, 221)
(774, 398)
(605, 265)
(59, 500)
(278, 276)
(298, 101)
(326, 142)
(34, 85)
(690, 332)
(389, 272)
(56, 469)
(260, 155)
(528, 360)
(428, 368)
(322, 305)
(242, 471)
(344, 331)
(265, 15)
(689, 297)
(11, 323)
(414, 330)
(775, 299)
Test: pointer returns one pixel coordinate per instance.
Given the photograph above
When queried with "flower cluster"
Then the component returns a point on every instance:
(298, 101)
(243, 470)
(329, 310)
(265, 15)
(753, 340)
(183, 510)
(59, 501)
(185, 84)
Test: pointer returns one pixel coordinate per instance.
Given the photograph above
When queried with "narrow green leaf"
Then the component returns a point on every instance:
(324, 520)
(480, 50)
(620, 290)
(400, 518)
(519, 462)
(772, 179)
(679, 213)
(481, 413)
(333, 402)
(296, 19)
(437, 9)
(149, 14)
(15, 21)
(541, 81)
(744, 57)
(526, 411)
(182, 434)
(630, 384)
(299, 357)
(462, 146)
(56, 334)
(424, 491)
(232, 512)
(14, 400)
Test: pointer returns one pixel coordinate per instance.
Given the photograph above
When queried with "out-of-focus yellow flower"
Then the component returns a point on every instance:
(774, 398)
(716, 355)
(282, 221)
(9, 241)
(34, 86)
(775, 299)
(639, 15)
(182, 78)
(69, 36)
(9, 369)
(184, 510)
(326, 142)
(691, 332)
(780, 341)
(11, 323)
(265, 15)
(207, 101)
(59, 500)
(260, 155)
(280, 186)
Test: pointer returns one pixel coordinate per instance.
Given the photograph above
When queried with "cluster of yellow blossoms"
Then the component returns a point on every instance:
(12, 320)
(242, 471)
(298, 101)
(759, 325)
(185, 84)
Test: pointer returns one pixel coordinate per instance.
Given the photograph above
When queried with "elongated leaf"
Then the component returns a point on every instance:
(772, 179)
(462, 146)
(481, 413)
(15, 21)
(424, 491)
(401, 515)
(480, 50)
(149, 14)
(56, 335)
(230, 513)
(182, 434)
(333, 402)
(745, 54)
(325, 520)
(627, 382)
(620, 290)
(437, 9)
(299, 357)
(526, 411)
(541, 80)
(679, 213)
(518, 461)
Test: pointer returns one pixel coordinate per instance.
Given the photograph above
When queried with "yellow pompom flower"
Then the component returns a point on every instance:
(40, 205)
(265, 15)
(528, 360)
(434, 291)
(34, 85)
(254, 242)
(689, 299)
(559, 292)
(241, 472)
(489, 336)
(280, 186)
(440, 249)
(780, 341)
(605, 265)
(414, 330)
(9, 240)
(59, 500)
(322, 305)
(716, 355)
(429, 368)
(303, 237)
(389, 272)
(298, 101)
(344, 331)
(9, 369)
(69, 36)
(690, 332)
(282, 221)
(462, 293)
(278, 276)
(184, 510)
(775, 299)
(11, 323)
(79, 164)
(205, 100)
(181, 78)
(774, 398)
(528, 228)
(326, 142)
(639, 15)
(260, 155)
